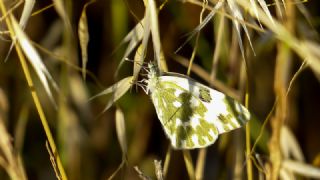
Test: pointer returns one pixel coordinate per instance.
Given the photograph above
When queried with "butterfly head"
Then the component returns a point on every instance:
(153, 74)
(153, 71)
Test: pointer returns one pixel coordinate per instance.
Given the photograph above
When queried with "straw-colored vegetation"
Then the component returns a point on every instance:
(72, 101)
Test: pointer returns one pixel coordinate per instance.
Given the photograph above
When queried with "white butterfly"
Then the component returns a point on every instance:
(192, 114)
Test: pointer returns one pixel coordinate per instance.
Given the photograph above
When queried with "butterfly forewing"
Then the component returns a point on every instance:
(224, 112)
(192, 114)
(183, 117)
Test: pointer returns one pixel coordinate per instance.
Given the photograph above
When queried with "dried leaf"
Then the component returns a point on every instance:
(255, 10)
(305, 12)
(133, 37)
(286, 174)
(59, 7)
(302, 169)
(9, 159)
(278, 7)
(312, 55)
(203, 23)
(26, 12)
(34, 58)
(152, 12)
(83, 34)
(264, 6)
(138, 60)
(121, 131)
(117, 90)
(307, 50)
(141, 51)
(289, 144)
(237, 14)
(265, 9)
(158, 170)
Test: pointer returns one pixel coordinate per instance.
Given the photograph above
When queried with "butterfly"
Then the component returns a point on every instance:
(192, 114)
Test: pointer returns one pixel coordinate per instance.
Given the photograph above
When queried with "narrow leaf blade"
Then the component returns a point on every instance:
(117, 90)
(121, 130)
(34, 59)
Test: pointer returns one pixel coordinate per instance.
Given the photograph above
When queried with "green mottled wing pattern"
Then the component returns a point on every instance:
(223, 111)
(183, 117)
(192, 114)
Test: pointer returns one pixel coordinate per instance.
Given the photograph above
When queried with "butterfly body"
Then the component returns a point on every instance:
(192, 114)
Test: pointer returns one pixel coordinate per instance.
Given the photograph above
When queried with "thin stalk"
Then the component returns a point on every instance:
(201, 161)
(248, 143)
(282, 75)
(167, 162)
(34, 95)
(197, 39)
(217, 50)
(188, 160)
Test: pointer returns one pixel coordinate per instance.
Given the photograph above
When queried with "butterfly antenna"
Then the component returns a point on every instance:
(139, 63)
(144, 65)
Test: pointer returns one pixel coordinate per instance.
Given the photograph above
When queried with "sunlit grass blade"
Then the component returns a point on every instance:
(26, 13)
(312, 55)
(302, 169)
(133, 37)
(238, 15)
(117, 90)
(289, 145)
(265, 9)
(307, 50)
(152, 12)
(142, 49)
(203, 23)
(279, 9)
(254, 7)
(35, 59)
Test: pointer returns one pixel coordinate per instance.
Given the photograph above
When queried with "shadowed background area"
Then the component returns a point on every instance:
(86, 135)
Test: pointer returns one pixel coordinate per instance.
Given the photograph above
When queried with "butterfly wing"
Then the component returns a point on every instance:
(223, 112)
(182, 116)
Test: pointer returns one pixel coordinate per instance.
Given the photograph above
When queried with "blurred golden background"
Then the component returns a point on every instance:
(86, 135)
